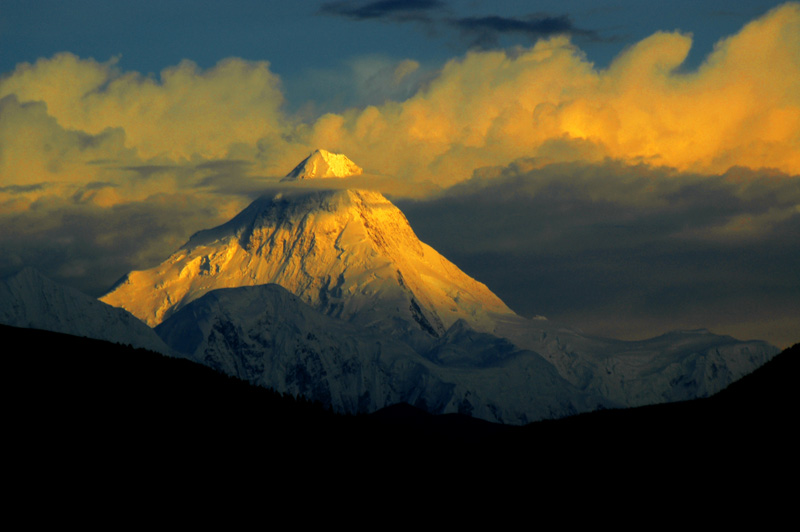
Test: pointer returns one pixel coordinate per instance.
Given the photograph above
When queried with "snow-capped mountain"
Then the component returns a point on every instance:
(367, 294)
(29, 299)
(350, 254)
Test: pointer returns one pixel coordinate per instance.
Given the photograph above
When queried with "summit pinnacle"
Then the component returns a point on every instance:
(323, 164)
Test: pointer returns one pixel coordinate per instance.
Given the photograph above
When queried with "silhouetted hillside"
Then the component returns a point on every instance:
(74, 397)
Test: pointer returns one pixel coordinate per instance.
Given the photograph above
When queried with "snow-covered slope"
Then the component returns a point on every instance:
(676, 366)
(29, 299)
(323, 164)
(268, 336)
(348, 253)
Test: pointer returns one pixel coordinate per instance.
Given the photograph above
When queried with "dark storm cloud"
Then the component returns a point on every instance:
(383, 9)
(628, 251)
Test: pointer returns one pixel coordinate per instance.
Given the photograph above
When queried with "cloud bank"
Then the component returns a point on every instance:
(740, 108)
(630, 251)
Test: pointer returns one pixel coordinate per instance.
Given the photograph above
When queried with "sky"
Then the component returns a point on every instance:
(624, 167)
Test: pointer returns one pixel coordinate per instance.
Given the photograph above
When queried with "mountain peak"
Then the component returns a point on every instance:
(350, 254)
(323, 164)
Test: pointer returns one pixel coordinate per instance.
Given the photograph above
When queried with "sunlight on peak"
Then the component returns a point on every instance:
(324, 164)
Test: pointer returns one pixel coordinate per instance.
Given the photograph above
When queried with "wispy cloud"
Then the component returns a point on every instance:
(486, 31)
(21, 189)
(402, 10)
(478, 31)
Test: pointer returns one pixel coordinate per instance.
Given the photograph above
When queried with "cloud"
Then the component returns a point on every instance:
(483, 109)
(89, 246)
(485, 32)
(85, 207)
(479, 31)
(185, 113)
(381, 9)
(631, 251)
(740, 108)
(359, 82)
(39, 157)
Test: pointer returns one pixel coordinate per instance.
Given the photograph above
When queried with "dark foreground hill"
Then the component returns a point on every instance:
(75, 403)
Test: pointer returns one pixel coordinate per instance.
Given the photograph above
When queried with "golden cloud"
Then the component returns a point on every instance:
(70, 123)
(740, 108)
(189, 113)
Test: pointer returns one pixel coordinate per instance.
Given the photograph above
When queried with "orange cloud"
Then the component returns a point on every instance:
(186, 114)
(741, 107)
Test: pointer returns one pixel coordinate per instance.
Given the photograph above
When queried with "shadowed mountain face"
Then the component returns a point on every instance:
(267, 336)
(377, 317)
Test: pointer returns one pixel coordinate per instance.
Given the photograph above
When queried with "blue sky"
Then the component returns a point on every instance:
(308, 40)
